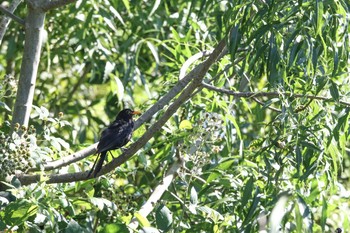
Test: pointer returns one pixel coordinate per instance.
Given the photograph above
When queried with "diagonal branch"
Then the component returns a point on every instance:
(263, 104)
(147, 207)
(201, 70)
(269, 94)
(165, 100)
(9, 13)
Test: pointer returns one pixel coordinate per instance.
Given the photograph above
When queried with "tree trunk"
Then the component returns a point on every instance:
(34, 27)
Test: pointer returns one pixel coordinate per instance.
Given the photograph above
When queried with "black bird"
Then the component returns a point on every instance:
(117, 134)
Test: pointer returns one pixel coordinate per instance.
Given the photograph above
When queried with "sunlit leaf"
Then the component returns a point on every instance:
(193, 196)
(142, 220)
(155, 7)
(185, 124)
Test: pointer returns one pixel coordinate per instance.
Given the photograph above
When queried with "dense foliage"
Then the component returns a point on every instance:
(277, 161)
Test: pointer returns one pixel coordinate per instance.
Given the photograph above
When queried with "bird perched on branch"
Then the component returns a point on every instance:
(117, 134)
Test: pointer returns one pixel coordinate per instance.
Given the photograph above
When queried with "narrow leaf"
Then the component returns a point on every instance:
(194, 196)
(334, 91)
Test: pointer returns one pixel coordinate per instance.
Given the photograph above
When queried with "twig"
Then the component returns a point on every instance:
(269, 94)
(148, 207)
(5, 20)
(76, 86)
(262, 103)
(12, 16)
(201, 70)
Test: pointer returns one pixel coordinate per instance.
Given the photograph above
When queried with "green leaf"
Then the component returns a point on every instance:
(235, 38)
(299, 158)
(319, 16)
(234, 122)
(155, 7)
(305, 215)
(225, 164)
(212, 213)
(74, 227)
(193, 196)
(342, 121)
(185, 124)
(164, 218)
(213, 176)
(98, 202)
(142, 220)
(175, 35)
(3, 105)
(19, 212)
(117, 88)
(324, 214)
(335, 155)
(334, 91)
(153, 51)
(114, 227)
(148, 230)
(248, 192)
(253, 207)
(116, 14)
(127, 5)
(110, 24)
(335, 61)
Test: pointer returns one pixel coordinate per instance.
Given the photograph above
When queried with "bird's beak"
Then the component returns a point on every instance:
(136, 113)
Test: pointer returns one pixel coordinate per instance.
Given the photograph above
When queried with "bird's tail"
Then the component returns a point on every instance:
(98, 164)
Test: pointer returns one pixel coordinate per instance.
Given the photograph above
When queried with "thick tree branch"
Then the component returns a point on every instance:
(269, 94)
(29, 68)
(184, 96)
(180, 86)
(56, 4)
(201, 70)
(165, 100)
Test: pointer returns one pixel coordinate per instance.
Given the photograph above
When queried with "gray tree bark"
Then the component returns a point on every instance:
(34, 27)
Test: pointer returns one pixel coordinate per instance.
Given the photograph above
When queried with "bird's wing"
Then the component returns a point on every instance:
(115, 136)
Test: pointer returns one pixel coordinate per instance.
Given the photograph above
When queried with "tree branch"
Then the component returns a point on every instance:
(9, 13)
(198, 72)
(56, 4)
(269, 94)
(145, 117)
(51, 165)
(148, 207)
(29, 66)
(263, 104)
